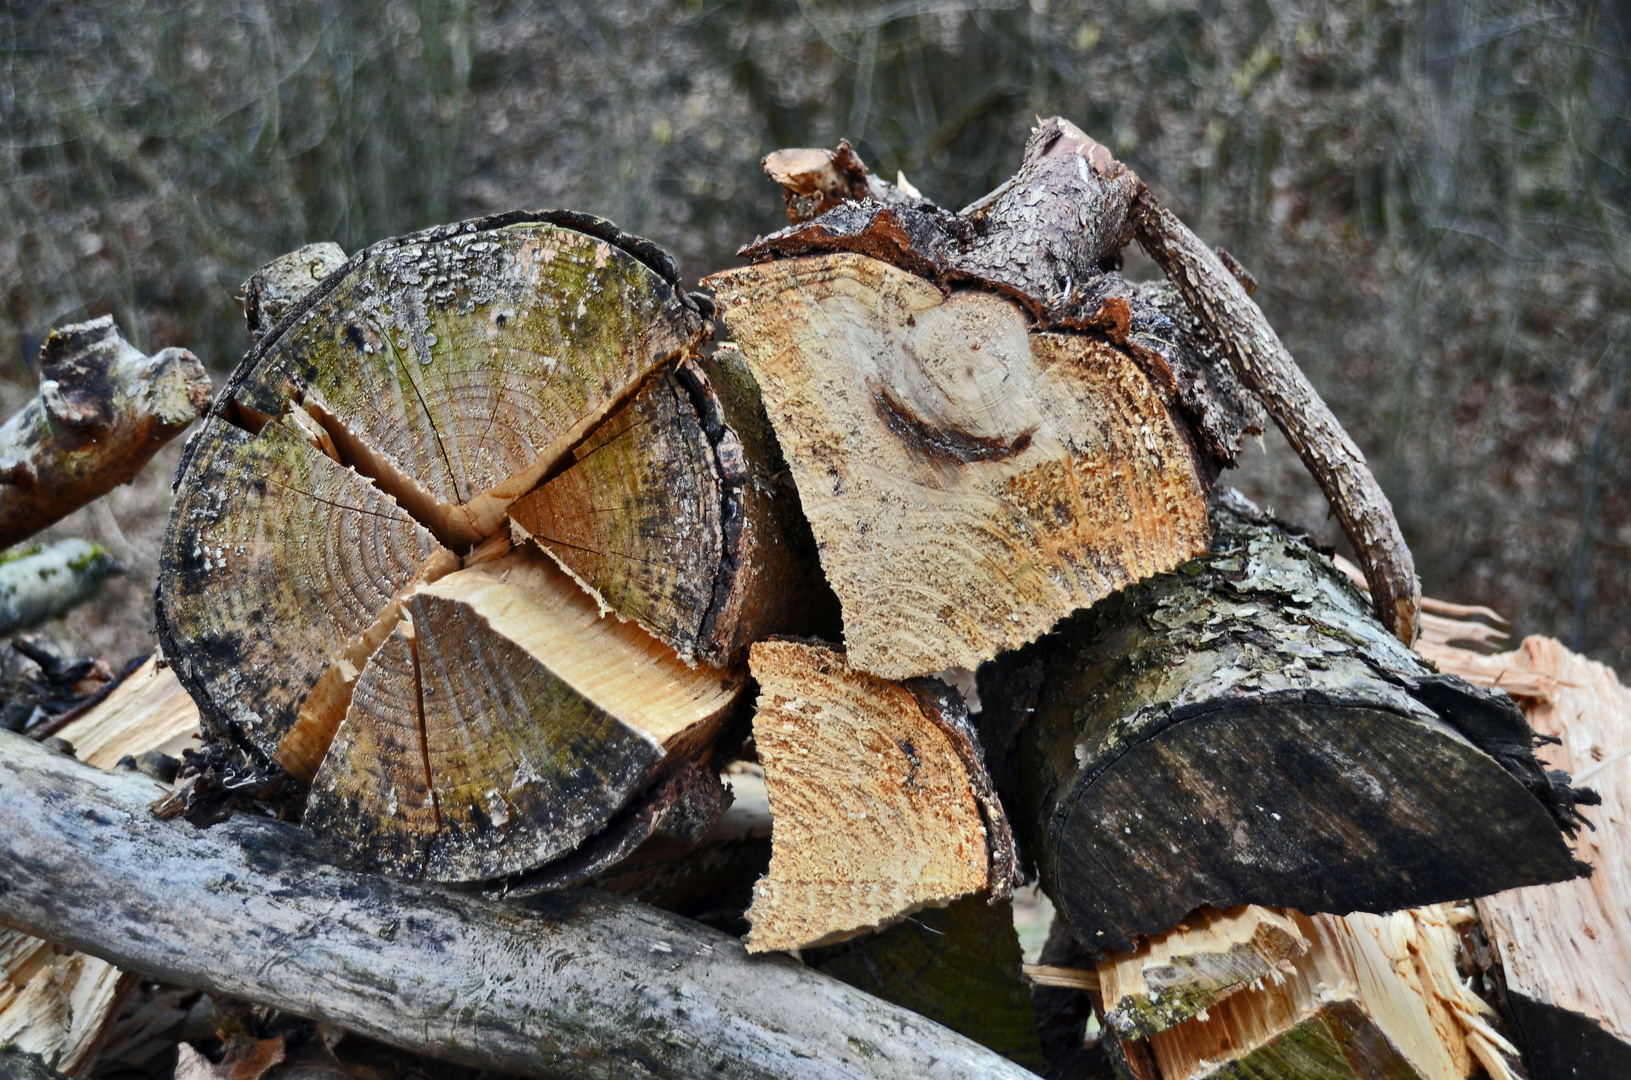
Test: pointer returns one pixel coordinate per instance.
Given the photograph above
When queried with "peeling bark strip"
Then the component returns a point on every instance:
(337, 588)
(1243, 731)
(578, 984)
(103, 411)
(1219, 299)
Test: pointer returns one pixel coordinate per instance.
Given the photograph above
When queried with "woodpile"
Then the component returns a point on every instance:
(527, 647)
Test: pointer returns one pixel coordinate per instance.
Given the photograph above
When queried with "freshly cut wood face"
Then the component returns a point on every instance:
(55, 1002)
(874, 814)
(968, 483)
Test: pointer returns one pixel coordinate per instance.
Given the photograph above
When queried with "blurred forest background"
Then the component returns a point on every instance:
(1435, 194)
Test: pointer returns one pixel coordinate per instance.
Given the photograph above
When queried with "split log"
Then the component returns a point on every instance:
(248, 910)
(1244, 731)
(969, 482)
(976, 397)
(502, 723)
(103, 411)
(878, 797)
(41, 582)
(1221, 301)
(1358, 997)
(147, 712)
(1563, 952)
(525, 377)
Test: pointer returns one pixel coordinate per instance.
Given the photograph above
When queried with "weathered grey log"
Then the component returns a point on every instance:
(1220, 300)
(277, 287)
(40, 583)
(103, 411)
(1244, 731)
(575, 983)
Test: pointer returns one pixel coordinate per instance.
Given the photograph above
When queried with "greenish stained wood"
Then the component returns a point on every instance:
(637, 517)
(1243, 730)
(958, 965)
(372, 795)
(523, 765)
(473, 354)
(1340, 1042)
(275, 556)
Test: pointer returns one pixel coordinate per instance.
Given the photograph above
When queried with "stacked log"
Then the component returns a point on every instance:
(488, 559)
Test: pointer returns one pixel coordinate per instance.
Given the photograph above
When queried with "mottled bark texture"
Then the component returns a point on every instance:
(103, 411)
(1220, 301)
(576, 984)
(41, 582)
(1244, 731)
(273, 290)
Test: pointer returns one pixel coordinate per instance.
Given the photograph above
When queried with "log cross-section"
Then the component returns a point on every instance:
(335, 589)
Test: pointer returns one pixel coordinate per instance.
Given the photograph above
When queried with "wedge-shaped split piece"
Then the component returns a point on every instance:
(504, 722)
(878, 800)
(276, 558)
(969, 482)
(676, 513)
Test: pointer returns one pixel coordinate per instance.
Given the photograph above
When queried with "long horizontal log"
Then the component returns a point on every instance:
(575, 983)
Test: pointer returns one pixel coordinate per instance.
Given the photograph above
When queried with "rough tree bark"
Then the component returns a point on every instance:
(1221, 301)
(39, 583)
(103, 411)
(1243, 731)
(578, 984)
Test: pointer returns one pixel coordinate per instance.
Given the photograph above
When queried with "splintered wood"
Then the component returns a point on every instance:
(329, 590)
(1019, 476)
(1566, 949)
(1345, 998)
(874, 808)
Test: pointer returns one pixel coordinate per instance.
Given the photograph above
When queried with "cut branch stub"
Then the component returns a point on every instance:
(476, 724)
(1244, 731)
(969, 482)
(878, 797)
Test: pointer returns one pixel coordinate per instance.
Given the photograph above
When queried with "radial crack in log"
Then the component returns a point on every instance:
(276, 560)
(875, 805)
(507, 726)
(103, 411)
(1243, 731)
(1019, 476)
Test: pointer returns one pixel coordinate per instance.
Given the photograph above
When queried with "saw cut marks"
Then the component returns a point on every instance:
(1020, 476)
(276, 558)
(459, 364)
(873, 807)
(508, 725)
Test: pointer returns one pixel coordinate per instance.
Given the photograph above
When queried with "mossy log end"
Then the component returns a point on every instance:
(338, 587)
(1244, 731)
